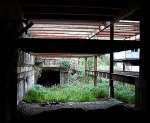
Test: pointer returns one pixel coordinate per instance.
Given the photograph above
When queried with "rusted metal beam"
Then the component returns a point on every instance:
(115, 36)
(60, 33)
(49, 25)
(57, 37)
(60, 30)
(129, 33)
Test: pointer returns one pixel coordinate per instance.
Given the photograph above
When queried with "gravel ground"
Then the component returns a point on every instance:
(26, 109)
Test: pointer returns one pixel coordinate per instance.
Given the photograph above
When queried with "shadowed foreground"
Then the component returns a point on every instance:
(117, 111)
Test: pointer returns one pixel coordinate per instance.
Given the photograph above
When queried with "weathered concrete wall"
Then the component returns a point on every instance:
(25, 74)
(64, 77)
(54, 64)
(64, 73)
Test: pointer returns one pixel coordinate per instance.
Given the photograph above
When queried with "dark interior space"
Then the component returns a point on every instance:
(49, 78)
(14, 13)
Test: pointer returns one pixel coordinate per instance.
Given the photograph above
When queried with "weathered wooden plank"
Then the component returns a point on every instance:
(125, 78)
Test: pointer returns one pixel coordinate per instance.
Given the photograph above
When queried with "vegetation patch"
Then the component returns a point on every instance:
(124, 92)
(79, 91)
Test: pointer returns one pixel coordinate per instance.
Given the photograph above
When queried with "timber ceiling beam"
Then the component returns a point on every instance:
(67, 22)
(68, 16)
(124, 13)
(63, 55)
(109, 4)
(83, 46)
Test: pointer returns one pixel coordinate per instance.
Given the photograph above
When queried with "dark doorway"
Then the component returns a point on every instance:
(49, 78)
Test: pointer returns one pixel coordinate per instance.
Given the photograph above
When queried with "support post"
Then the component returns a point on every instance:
(142, 87)
(95, 70)
(85, 70)
(111, 87)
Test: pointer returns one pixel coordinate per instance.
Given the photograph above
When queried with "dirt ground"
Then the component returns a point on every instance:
(107, 109)
(30, 109)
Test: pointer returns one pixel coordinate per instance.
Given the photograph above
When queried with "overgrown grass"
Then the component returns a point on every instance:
(124, 92)
(68, 92)
(79, 91)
